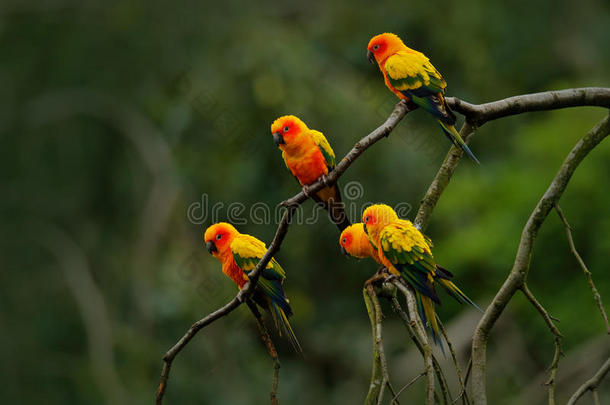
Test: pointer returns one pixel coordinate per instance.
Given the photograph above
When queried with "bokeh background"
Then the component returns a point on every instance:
(125, 122)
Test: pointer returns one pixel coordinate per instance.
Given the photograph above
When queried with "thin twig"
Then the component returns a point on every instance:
(379, 375)
(420, 332)
(591, 384)
(520, 269)
(266, 337)
(456, 363)
(595, 396)
(437, 368)
(417, 377)
(583, 266)
(548, 319)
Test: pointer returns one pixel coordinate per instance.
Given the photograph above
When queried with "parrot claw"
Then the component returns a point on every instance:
(391, 277)
(306, 191)
(324, 179)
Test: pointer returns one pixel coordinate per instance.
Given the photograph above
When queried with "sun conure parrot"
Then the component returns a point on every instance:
(239, 254)
(410, 75)
(355, 242)
(309, 157)
(406, 252)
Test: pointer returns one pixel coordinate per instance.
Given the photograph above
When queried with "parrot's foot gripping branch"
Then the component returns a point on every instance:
(306, 191)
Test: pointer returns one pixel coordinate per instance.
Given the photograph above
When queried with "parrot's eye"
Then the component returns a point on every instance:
(286, 128)
(376, 47)
(366, 219)
(218, 236)
(344, 241)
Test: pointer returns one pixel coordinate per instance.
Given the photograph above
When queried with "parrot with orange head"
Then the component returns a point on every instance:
(410, 75)
(239, 254)
(406, 253)
(309, 157)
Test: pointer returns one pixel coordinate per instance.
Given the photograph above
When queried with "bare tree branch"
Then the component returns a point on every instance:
(437, 368)
(591, 384)
(266, 337)
(413, 381)
(592, 96)
(456, 364)
(551, 325)
(420, 332)
(518, 274)
(584, 268)
(397, 114)
(477, 115)
(379, 375)
(548, 100)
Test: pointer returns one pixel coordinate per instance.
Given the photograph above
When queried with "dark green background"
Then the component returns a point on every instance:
(117, 116)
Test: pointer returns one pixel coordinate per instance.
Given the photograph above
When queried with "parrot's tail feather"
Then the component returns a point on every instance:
(456, 293)
(457, 140)
(330, 198)
(285, 328)
(428, 316)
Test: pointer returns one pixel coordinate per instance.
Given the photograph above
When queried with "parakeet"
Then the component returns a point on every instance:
(309, 157)
(410, 75)
(407, 253)
(239, 254)
(355, 242)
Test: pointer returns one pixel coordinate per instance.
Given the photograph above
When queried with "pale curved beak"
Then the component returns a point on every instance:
(371, 57)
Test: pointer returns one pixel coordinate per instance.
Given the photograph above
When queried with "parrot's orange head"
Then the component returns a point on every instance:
(286, 130)
(382, 46)
(354, 242)
(376, 217)
(218, 238)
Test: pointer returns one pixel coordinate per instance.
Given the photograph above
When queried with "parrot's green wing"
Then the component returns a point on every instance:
(412, 71)
(322, 143)
(247, 252)
(406, 248)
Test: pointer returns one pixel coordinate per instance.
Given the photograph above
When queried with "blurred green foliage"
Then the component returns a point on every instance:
(116, 117)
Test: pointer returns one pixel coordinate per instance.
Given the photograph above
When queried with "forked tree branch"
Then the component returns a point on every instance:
(478, 114)
(382, 131)
(380, 378)
(438, 371)
(420, 332)
(518, 274)
(266, 337)
(551, 325)
(583, 266)
(474, 114)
